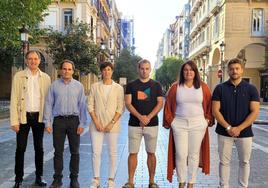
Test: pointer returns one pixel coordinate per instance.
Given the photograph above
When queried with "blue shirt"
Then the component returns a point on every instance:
(65, 99)
(235, 104)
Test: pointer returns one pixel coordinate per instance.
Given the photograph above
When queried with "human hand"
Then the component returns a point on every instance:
(99, 127)
(48, 129)
(144, 119)
(235, 131)
(15, 128)
(108, 127)
(80, 130)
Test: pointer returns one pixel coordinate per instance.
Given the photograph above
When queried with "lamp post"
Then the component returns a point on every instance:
(24, 39)
(222, 48)
(204, 57)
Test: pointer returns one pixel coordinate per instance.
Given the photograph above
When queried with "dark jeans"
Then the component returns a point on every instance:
(22, 137)
(63, 126)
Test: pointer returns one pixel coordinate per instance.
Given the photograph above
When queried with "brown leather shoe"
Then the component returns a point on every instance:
(181, 185)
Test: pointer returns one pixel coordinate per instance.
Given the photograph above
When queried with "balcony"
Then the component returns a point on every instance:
(204, 46)
(215, 6)
(195, 7)
(64, 1)
(203, 21)
(59, 28)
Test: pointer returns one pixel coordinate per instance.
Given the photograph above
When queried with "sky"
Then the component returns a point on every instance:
(151, 19)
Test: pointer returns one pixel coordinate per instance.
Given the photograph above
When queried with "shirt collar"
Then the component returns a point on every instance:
(61, 79)
(228, 82)
(29, 73)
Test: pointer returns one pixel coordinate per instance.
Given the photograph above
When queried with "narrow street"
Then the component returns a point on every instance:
(259, 162)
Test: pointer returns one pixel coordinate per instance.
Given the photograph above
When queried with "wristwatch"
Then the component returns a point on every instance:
(113, 121)
(228, 128)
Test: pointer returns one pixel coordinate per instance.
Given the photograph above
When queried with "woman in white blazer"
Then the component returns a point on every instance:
(105, 106)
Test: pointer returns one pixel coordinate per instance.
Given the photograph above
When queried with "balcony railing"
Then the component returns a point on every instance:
(59, 28)
(200, 47)
(195, 7)
(215, 6)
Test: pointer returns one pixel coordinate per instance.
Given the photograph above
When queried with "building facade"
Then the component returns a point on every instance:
(127, 34)
(224, 29)
(102, 17)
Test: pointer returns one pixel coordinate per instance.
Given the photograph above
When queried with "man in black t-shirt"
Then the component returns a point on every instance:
(235, 105)
(143, 100)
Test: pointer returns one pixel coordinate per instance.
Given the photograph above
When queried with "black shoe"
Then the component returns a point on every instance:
(40, 182)
(17, 185)
(74, 183)
(56, 183)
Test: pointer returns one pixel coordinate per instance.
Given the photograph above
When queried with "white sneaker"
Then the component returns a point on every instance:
(95, 183)
(110, 184)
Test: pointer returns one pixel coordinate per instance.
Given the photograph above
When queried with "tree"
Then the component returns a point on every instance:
(75, 44)
(126, 66)
(168, 72)
(13, 15)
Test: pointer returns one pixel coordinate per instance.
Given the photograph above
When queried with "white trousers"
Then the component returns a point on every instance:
(244, 148)
(188, 135)
(97, 143)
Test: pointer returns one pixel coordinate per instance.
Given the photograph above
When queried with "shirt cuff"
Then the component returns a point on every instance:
(48, 124)
(82, 125)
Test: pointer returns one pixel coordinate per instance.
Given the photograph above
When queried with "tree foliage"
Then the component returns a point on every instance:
(75, 44)
(13, 15)
(126, 66)
(168, 72)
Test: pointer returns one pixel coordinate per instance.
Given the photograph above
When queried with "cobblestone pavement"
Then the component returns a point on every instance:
(258, 177)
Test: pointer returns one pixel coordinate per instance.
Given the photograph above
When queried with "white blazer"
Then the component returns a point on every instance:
(106, 109)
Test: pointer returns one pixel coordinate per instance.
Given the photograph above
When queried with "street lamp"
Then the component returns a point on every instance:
(112, 57)
(103, 45)
(103, 48)
(222, 48)
(24, 39)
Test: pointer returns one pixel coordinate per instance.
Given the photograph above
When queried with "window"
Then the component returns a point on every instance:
(202, 37)
(257, 22)
(216, 28)
(67, 17)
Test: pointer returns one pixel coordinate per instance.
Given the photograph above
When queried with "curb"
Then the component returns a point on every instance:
(263, 122)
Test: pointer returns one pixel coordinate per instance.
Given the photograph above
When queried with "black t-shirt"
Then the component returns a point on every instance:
(144, 99)
(235, 104)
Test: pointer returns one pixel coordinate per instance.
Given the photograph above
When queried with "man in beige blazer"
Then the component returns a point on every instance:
(29, 88)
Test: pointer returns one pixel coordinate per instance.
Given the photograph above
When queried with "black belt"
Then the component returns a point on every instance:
(32, 113)
(67, 117)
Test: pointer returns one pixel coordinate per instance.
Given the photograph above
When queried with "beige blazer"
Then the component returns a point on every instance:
(106, 109)
(18, 97)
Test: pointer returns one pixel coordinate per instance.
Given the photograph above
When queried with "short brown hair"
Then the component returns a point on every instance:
(67, 61)
(105, 64)
(235, 61)
(143, 61)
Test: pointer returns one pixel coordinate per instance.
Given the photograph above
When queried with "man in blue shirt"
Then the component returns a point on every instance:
(235, 105)
(65, 106)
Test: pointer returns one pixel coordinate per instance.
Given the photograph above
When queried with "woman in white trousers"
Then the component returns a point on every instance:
(105, 106)
(187, 112)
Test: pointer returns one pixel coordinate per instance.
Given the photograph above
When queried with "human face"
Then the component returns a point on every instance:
(235, 71)
(188, 73)
(32, 61)
(107, 73)
(67, 71)
(144, 70)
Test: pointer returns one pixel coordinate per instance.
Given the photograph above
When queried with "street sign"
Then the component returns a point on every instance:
(122, 81)
(219, 73)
